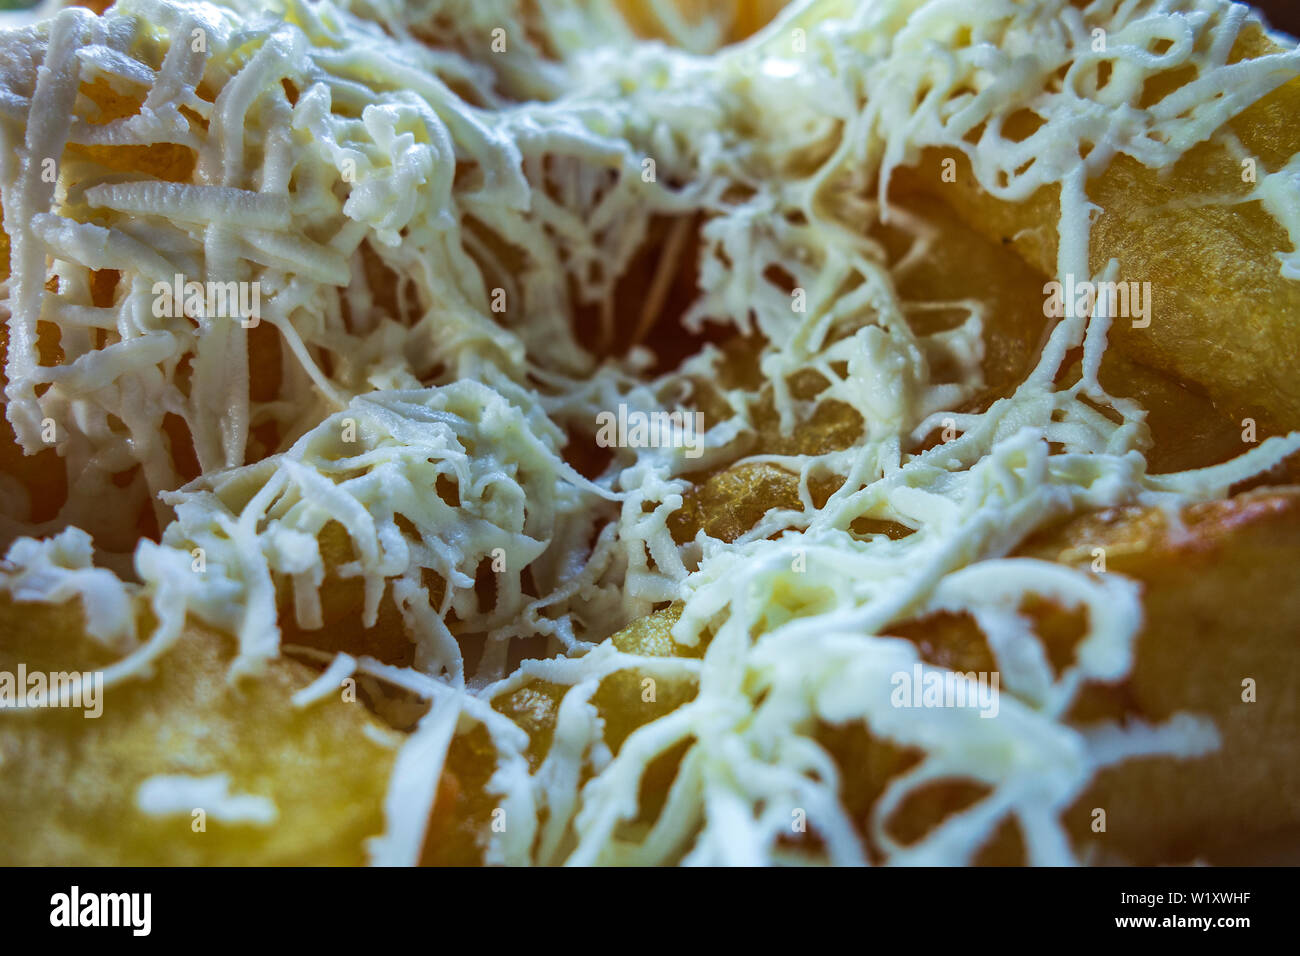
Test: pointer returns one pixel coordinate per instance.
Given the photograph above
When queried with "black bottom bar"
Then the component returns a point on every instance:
(335, 906)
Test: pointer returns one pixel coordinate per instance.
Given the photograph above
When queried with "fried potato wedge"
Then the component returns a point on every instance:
(71, 782)
(1222, 314)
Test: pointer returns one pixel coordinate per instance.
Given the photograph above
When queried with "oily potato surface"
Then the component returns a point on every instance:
(71, 782)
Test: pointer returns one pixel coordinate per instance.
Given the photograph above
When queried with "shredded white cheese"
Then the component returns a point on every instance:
(503, 183)
(172, 794)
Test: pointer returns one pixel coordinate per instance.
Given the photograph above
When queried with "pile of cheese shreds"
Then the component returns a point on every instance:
(491, 153)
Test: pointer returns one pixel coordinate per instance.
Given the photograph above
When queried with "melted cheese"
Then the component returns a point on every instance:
(328, 136)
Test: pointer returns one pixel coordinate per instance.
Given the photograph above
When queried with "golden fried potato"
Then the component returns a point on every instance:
(753, 15)
(1222, 595)
(342, 602)
(739, 17)
(461, 817)
(72, 782)
(1222, 314)
(1220, 599)
(1188, 430)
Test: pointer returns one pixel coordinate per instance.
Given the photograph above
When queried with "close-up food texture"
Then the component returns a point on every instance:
(648, 432)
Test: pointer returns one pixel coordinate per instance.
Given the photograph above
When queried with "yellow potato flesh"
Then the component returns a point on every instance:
(70, 782)
(460, 823)
(1222, 315)
(1222, 599)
